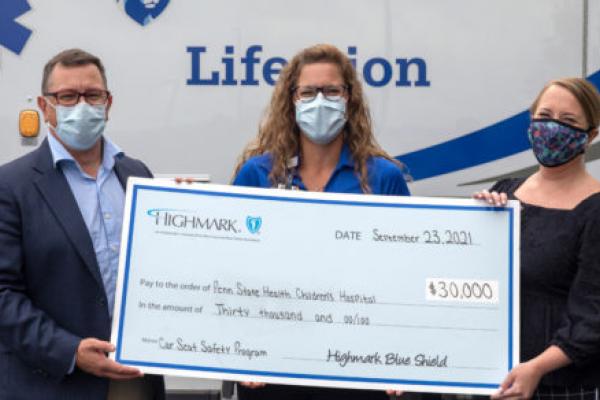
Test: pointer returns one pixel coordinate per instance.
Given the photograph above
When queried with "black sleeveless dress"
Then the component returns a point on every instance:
(560, 291)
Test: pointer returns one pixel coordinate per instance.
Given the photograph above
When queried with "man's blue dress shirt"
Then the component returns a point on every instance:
(101, 202)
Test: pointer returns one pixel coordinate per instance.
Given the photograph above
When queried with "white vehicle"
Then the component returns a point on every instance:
(449, 82)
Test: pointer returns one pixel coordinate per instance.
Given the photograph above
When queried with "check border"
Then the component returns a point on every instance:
(135, 187)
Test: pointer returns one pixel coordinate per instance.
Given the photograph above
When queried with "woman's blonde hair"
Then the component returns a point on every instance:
(278, 133)
(584, 91)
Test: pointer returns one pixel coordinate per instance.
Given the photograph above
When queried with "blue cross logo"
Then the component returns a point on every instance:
(13, 35)
(253, 224)
(143, 11)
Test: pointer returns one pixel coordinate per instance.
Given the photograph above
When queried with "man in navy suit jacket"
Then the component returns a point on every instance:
(60, 219)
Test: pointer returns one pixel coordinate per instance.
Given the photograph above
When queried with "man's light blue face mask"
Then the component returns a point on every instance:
(80, 126)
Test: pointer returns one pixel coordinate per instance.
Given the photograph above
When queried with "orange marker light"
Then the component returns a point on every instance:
(29, 123)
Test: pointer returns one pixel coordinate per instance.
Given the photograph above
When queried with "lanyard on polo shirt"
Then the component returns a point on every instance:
(292, 167)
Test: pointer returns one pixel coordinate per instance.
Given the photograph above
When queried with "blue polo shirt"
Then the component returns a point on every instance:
(384, 176)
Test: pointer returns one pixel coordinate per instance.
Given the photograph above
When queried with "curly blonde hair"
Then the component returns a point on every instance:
(278, 133)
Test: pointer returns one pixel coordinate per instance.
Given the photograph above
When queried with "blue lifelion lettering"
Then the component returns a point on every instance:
(250, 69)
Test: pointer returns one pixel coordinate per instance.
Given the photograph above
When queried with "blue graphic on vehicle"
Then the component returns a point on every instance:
(13, 35)
(253, 224)
(144, 11)
(502, 139)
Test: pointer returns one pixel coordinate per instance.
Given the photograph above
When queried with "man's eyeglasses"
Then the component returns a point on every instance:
(330, 92)
(71, 97)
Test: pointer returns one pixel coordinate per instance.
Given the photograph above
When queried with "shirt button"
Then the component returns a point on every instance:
(107, 215)
(114, 247)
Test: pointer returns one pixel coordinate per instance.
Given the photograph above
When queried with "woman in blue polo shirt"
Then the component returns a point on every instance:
(316, 135)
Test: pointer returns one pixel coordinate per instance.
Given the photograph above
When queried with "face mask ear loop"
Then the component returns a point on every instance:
(54, 108)
(589, 141)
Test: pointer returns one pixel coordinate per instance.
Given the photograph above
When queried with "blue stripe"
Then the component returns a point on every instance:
(310, 376)
(491, 143)
(126, 277)
(595, 78)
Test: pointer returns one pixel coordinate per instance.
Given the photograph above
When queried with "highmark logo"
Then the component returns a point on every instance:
(143, 11)
(188, 220)
(376, 71)
(253, 224)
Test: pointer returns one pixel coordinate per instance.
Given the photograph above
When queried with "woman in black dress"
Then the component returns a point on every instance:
(560, 249)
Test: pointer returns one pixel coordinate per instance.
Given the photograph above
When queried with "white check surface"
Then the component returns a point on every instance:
(318, 289)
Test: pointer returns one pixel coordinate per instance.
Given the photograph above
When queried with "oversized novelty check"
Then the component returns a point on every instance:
(317, 289)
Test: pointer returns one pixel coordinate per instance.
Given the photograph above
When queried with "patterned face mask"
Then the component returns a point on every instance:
(555, 143)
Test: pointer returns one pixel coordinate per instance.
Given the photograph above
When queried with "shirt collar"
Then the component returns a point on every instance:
(60, 153)
(345, 160)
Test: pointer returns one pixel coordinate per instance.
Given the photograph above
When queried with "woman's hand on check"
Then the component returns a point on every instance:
(394, 393)
(188, 180)
(520, 383)
(493, 198)
(253, 385)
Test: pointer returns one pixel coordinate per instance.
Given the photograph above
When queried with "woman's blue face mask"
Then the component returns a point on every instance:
(556, 143)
